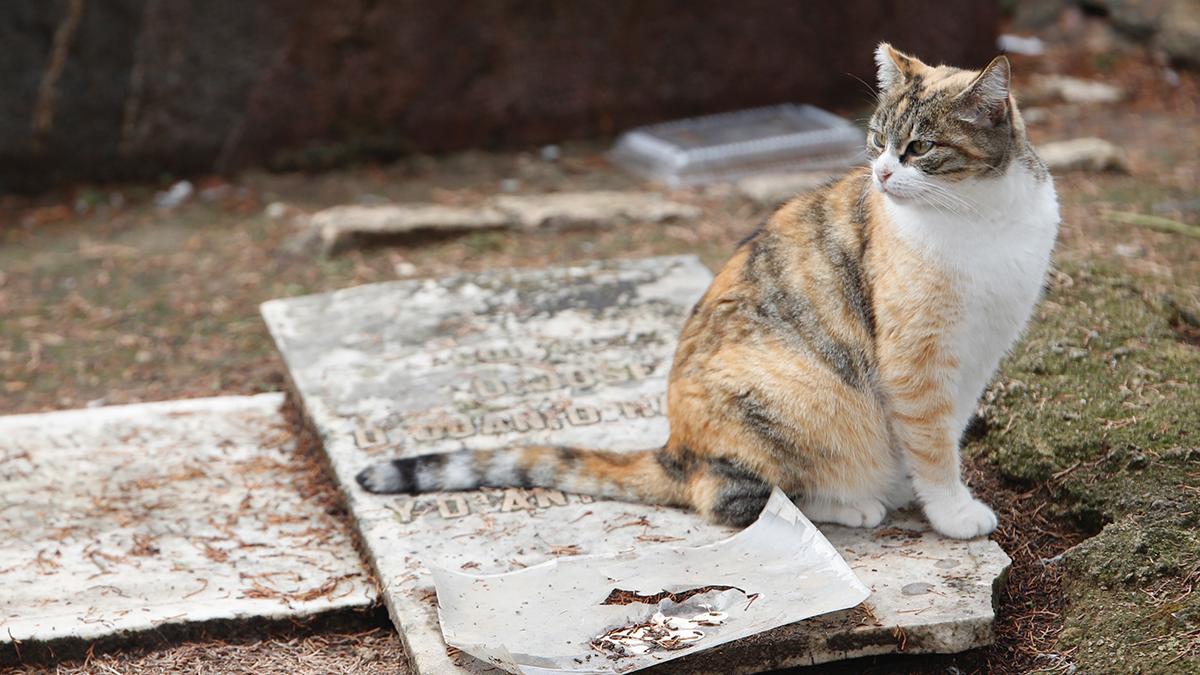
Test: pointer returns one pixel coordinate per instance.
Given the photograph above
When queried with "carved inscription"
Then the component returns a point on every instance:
(369, 437)
(551, 379)
(436, 426)
(536, 372)
(450, 506)
(542, 351)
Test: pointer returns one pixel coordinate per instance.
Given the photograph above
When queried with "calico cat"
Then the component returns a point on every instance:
(841, 351)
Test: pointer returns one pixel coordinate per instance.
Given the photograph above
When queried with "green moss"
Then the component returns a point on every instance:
(1101, 377)
(1101, 401)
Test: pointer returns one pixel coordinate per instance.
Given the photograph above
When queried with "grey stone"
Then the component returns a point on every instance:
(775, 188)
(1170, 25)
(1083, 154)
(917, 588)
(573, 356)
(1179, 36)
(175, 197)
(341, 225)
(125, 518)
(602, 207)
(278, 211)
(1137, 18)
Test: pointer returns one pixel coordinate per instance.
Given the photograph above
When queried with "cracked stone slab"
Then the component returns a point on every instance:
(340, 226)
(601, 207)
(127, 518)
(573, 356)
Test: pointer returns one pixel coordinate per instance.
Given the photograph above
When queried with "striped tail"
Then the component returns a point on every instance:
(642, 476)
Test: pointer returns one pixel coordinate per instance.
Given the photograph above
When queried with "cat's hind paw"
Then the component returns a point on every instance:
(866, 512)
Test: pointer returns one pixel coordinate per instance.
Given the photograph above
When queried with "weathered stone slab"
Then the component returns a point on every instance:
(773, 189)
(574, 356)
(601, 207)
(127, 518)
(339, 226)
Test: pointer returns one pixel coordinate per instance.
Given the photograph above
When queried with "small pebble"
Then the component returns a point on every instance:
(917, 588)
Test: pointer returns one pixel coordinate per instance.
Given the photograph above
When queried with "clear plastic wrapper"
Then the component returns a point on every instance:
(634, 609)
(772, 139)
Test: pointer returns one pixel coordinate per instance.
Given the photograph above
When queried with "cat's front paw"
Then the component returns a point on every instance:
(963, 517)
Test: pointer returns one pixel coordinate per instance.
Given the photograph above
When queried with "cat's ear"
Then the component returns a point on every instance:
(894, 67)
(984, 102)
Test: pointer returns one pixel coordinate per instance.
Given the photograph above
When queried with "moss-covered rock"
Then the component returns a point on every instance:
(1101, 402)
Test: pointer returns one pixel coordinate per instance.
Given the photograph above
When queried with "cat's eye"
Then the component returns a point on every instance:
(875, 139)
(918, 148)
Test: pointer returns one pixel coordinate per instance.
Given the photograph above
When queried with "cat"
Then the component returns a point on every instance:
(841, 351)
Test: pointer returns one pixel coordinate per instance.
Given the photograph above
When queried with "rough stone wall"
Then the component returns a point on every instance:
(142, 87)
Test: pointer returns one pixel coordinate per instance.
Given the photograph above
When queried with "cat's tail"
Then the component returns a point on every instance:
(647, 476)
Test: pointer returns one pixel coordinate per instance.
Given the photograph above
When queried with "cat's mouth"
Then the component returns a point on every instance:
(899, 194)
(892, 189)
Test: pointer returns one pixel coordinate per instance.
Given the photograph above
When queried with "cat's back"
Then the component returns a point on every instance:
(795, 289)
(776, 365)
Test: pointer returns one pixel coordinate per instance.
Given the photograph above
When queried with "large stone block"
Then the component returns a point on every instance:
(102, 90)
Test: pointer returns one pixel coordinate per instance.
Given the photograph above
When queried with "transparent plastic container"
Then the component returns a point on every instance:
(779, 138)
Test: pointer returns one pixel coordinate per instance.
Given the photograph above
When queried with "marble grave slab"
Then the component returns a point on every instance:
(128, 518)
(574, 356)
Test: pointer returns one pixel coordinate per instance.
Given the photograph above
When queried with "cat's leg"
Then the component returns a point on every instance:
(861, 512)
(937, 479)
(923, 426)
(900, 493)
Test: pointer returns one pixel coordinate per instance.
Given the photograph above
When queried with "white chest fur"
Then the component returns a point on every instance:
(995, 248)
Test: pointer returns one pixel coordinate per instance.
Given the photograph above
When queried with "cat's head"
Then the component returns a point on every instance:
(937, 125)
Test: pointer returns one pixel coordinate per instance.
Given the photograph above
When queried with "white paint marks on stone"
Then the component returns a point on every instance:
(126, 518)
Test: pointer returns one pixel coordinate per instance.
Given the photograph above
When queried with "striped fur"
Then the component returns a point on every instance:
(841, 349)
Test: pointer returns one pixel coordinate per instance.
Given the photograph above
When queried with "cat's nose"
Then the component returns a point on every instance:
(883, 174)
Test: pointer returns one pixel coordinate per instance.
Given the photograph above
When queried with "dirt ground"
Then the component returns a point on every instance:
(1090, 434)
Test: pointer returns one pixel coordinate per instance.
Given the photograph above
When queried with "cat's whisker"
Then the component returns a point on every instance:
(962, 205)
(871, 90)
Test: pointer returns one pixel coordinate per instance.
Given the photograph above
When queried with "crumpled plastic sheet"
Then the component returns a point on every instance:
(544, 619)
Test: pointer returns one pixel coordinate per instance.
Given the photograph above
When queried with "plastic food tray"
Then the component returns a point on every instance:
(732, 145)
